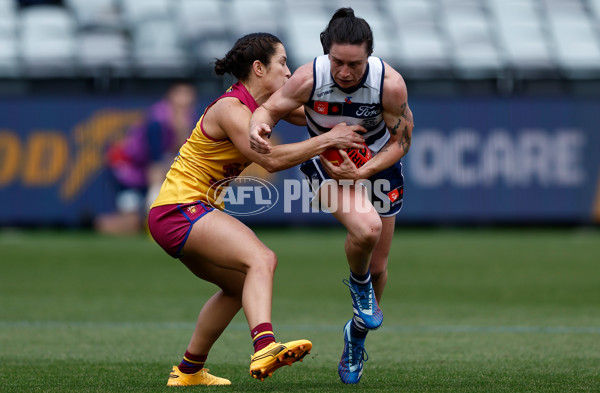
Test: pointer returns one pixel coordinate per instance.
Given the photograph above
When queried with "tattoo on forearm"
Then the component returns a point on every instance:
(394, 129)
(405, 140)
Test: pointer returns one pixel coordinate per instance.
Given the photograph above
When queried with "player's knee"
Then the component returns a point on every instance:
(272, 261)
(267, 261)
(367, 232)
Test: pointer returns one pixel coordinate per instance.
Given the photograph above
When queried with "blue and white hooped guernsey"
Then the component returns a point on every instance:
(330, 104)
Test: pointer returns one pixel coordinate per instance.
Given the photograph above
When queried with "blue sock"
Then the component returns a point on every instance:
(357, 331)
(360, 278)
(356, 328)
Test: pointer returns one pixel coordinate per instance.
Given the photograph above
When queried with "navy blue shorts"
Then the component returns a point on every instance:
(385, 188)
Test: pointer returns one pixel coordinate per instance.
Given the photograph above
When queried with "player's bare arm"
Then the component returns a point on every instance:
(399, 122)
(235, 125)
(296, 117)
(399, 117)
(282, 103)
(402, 130)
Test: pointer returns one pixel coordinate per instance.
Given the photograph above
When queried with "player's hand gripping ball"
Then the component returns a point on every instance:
(358, 156)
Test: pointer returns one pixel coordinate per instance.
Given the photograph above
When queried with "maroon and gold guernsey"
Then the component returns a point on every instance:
(203, 161)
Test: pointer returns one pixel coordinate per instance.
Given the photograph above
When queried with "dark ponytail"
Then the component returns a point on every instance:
(345, 28)
(238, 61)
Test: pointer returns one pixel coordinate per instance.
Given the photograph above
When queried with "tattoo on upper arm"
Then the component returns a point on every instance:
(405, 137)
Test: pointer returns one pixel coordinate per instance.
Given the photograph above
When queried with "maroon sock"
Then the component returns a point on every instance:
(191, 364)
(262, 335)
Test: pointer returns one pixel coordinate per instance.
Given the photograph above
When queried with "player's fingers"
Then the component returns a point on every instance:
(260, 148)
(259, 144)
(264, 131)
(359, 138)
(325, 162)
(358, 128)
(258, 134)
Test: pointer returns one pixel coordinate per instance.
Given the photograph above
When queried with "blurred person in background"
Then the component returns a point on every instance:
(215, 246)
(349, 85)
(139, 162)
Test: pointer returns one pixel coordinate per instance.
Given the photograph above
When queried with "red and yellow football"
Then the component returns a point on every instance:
(358, 156)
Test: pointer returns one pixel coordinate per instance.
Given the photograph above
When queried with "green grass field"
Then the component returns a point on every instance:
(466, 310)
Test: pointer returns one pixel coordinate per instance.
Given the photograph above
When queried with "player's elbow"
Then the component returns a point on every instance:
(270, 165)
(406, 139)
(271, 168)
(406, 145)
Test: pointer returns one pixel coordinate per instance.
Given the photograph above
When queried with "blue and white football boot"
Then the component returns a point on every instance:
(367, 313)
(351, 364)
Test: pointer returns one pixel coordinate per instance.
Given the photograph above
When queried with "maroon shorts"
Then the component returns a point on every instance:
(170, 225)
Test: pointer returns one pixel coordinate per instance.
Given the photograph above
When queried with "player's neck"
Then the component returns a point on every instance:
(259, 94)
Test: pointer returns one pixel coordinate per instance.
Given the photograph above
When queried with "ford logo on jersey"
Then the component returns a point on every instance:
(244, 195)
(368, 110)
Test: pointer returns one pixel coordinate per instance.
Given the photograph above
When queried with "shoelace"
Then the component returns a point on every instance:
(365, 301)
(359, 354)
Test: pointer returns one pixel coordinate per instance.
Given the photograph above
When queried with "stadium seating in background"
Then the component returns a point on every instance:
(595, 9)
(103, 52)
(47, 41)
(136, 11)
(9, 53)
(574, 37)
(466, 26)
(203, 28)
(421, 50)
(9, 61)
(158, 50)
(96, 13)
(302, 26)
(521, 37)
(459, 39)
(254, 16)
(8, 18)
(103, 44)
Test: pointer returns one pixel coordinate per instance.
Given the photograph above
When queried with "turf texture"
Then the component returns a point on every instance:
(465, 310)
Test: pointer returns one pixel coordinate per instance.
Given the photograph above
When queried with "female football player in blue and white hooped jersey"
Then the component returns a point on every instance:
(349, 85)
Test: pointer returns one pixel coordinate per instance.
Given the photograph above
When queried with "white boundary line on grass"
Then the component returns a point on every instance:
(302, 328)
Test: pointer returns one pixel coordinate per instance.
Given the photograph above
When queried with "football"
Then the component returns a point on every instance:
(358, 156)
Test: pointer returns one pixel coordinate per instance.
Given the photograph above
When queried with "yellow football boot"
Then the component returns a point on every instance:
(202, 377)
(264, 362)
